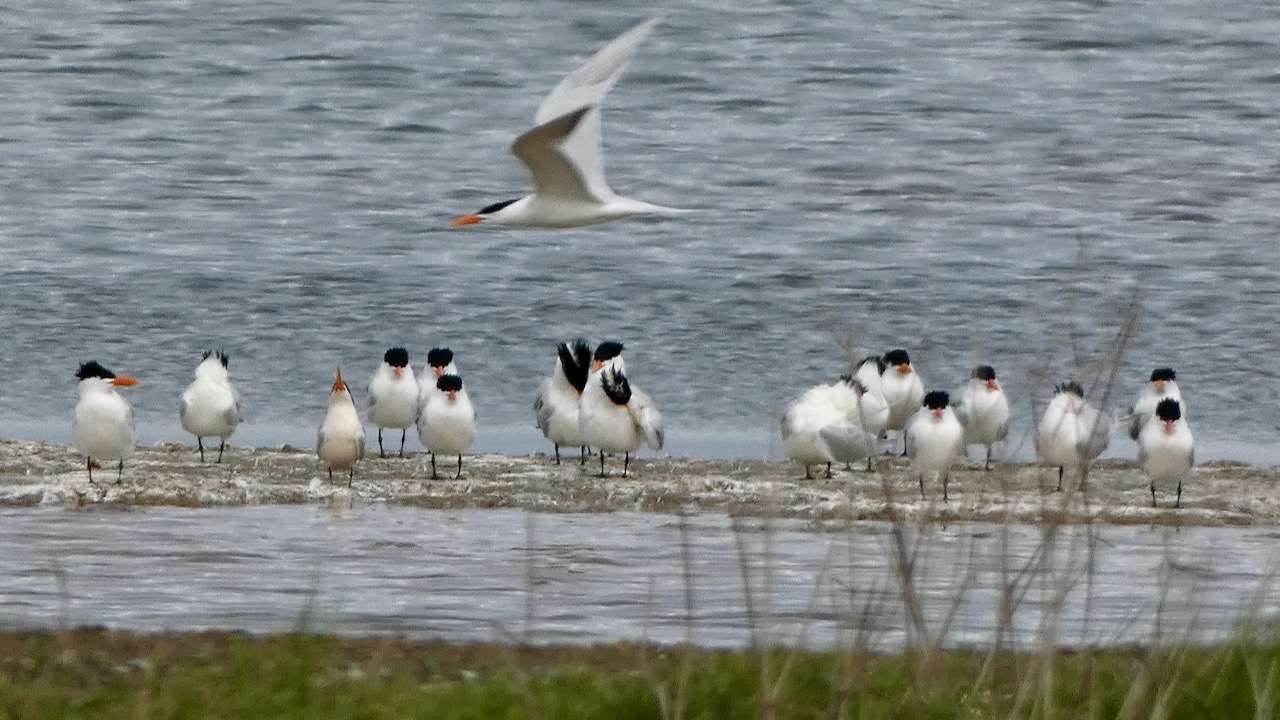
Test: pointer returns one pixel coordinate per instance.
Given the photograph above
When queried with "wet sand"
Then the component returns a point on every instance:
(1219, 493)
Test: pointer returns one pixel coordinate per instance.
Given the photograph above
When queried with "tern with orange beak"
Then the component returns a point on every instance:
(340, 441)
(1163, 384)
(564, 151)
(103, 428)
(902, 389)
(555, 407)
(935, 440)
(1166, 449)
(393, 396)
(1072, 432)
(983, 409)
(616, 416)
(439, 363)
(210, 406)
(447, 423)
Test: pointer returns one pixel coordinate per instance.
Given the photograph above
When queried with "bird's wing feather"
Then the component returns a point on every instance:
(647, 418)
(587, 86)
(541, 150)
(542, 408)
(846, 441)
(183, 408)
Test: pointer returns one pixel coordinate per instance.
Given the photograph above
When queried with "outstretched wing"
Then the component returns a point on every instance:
(543, 151)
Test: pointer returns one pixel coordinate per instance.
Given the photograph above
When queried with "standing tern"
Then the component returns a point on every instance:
(555, 407)
(565, 154)
(340, 441)
(615, 416)
(447, 422)
(393, 396)
(103, 427)
(934, 439)
(902, 388)
(1163, 384)
(210, 406)
(823, 426)
(1166, 450)
(1072, 432)
(983, 409)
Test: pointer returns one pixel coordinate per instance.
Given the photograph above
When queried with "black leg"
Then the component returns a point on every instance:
(459, 475)
(222, 447)
(601, 463)
(351, 476)
(89, 464)
(626, 460)
(120, 472)
(1060, 469)
(200, 445)
(330, 473)
(807, 474)
(1178, 503)
(870, 466)
(829, 475)
(584, 455)
(921, 476)
(381, 453)
(946, 478)
(557, 452)
(988, 466)
(402, 434)
(1153, 494)
(434, 476)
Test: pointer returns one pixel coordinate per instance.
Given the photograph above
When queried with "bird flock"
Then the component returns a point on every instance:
(845, 421)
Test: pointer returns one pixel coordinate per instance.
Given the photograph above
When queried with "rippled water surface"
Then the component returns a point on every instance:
(971, 181)
(497, 575)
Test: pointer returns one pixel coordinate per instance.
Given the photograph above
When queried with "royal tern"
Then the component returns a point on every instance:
(393, 396)
(874, 408)
(447, 423)
(340, 441)
(103, 427)
(615, 416)
(983, 409)
(555, 407)
(822, 426)
(1163, 384)
(1166, 450)
(1072, 432)
(210, 406)
(935, 439)
(564, 152)
(902, 389)
(439, 363)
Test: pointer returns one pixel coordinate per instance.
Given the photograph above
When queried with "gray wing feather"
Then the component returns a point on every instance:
(846, 442)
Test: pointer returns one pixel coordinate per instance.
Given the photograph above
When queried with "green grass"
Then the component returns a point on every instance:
(93, 674)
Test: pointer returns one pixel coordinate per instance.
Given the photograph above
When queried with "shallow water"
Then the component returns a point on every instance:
(974, 182)
(504, 575)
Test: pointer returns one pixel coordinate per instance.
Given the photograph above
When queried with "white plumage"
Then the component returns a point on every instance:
(1163, 384)
(1072, 432)
(103, 426)
(447, 423)
(935, 440)
(210, 406)
(340, 440)
(393, 396)
(555, 407)
(902, 387)
(1166, 449)
(822, 426)
(983, 409)
(614, 415)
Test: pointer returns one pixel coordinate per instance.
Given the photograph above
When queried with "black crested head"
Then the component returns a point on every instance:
(616, 386)
(1165, 374)
(608, 350)
(575, 362)
(222, 357)
(984, 372)
(937, 400)
(92, 369)
(439, 357)
(897, 357)
(879, 361)
(1168, 410)
(1070, 386)
(491, 209)
(396, 357)
(449, 383)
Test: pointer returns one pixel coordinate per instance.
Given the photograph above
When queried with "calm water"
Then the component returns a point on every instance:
(971, 181)
(495, 575)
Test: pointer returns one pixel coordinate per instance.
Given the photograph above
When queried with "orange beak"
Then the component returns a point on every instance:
(1168, 426)
(453, 395)
(937, 412)
(471, 219)
(399, 371)
(1160, 385)
(338, 385)
(904, 369)
(125, 381)
(439, 371)
(992, 384)
(597, 365)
